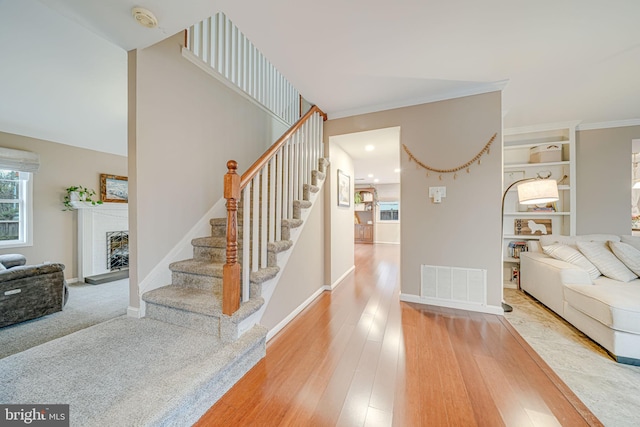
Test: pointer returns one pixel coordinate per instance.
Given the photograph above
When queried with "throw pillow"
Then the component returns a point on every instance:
(631, 240)
(600, 255)
(629, 255)
(573, 256)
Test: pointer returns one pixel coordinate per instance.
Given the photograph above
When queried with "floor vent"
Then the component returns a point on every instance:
(464, 285)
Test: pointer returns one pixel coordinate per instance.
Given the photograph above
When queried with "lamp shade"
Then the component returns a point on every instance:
(538, 191)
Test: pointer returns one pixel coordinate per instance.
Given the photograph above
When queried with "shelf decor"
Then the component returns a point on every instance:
(454, 171)
(530, 227)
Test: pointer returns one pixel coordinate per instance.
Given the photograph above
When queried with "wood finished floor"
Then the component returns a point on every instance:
(359, 357)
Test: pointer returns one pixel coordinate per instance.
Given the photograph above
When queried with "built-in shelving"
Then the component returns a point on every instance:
(517, 164)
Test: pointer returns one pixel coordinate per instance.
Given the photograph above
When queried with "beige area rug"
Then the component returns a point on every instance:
(610, 390)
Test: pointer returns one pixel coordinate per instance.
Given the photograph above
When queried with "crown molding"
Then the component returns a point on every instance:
(477, 90)
(611, 124)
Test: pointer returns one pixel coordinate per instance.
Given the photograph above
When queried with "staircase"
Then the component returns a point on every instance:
(194, 298)
(272, 205)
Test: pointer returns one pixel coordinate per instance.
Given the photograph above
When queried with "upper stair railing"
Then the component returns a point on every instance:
(217, 42)
(268, 190)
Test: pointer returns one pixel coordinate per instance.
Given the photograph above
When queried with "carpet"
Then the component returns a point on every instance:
(88, 305)
(130, 372)
(609, 389)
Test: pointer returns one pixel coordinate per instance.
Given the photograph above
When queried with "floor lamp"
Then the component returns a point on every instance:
(531, 191)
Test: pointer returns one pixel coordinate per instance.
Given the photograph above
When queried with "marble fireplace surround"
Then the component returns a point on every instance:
(93, 224)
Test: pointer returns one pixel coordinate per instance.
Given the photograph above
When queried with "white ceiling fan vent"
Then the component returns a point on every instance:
(144, 17)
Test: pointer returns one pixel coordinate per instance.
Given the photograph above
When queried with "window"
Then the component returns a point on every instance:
(15, 208)
(388, 211)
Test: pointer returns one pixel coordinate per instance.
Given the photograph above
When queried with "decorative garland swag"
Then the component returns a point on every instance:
(455, 170)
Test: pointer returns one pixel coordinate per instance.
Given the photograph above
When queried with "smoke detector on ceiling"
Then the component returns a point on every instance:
(144, 17)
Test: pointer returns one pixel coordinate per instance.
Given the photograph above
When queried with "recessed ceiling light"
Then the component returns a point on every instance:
(370, 175)
(144, 17)
(369, 148)
(376, 180)
(396, 170)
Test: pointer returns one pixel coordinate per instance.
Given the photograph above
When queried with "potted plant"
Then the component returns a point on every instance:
(78, 193)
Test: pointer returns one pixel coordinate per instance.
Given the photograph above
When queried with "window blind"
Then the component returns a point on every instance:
(19, 160)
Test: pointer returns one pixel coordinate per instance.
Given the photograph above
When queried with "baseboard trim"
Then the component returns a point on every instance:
(133, 312)
(489, 309)
(340, 279)
(72, 280)
(274, 331)
(386, 243)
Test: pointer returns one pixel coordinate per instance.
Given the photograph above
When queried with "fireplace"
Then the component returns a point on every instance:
(117, 250)
(94, 222)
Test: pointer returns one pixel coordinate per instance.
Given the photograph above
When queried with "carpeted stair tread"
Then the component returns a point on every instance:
(202, 268)
(264, 274)
(187, 299)
(303, 204)
(312, 188)
(317, 175)
(218, 222)
(279, 246)
(210, 242)
(292, 223)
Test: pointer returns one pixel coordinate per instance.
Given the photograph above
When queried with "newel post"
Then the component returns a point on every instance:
(231, 269)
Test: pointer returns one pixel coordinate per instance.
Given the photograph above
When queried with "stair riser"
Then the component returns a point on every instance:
(221, 230)
(198, 322)
(196, 281)
(213, 254)
(209, 254)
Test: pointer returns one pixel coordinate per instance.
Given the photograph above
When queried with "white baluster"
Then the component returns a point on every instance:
(246, 243)
(263, 220)
(255, 215)
(272, 199)
(279, 187)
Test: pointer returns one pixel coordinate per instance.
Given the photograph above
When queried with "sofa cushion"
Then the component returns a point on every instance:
(614, 304)
(629, 255)
(600, 255)
(573, 256)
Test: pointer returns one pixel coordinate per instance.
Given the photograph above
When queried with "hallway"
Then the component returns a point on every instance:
(359, 357)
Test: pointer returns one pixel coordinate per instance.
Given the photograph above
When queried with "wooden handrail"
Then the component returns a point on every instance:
(233, 186)
(264, 159)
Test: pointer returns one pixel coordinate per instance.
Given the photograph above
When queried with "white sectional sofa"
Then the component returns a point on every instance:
(603, 308)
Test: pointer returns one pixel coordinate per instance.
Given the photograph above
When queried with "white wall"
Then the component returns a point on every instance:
(303, 276)
(184, 127)
(339, 246)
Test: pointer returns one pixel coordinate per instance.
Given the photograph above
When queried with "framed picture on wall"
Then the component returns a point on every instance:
(114, 189)
(344, 189)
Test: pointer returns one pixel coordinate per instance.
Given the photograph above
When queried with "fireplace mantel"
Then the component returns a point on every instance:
(94, 221)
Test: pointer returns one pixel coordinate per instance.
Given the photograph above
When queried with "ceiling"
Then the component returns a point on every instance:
(63, 74)
(375, 154)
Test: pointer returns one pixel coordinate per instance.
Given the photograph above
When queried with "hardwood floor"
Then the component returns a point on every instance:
(359, 357)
